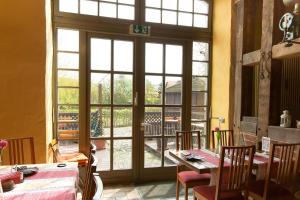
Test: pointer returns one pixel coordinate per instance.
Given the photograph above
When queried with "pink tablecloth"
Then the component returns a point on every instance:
(51, 182)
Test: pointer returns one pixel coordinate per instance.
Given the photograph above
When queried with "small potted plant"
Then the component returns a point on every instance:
(218, 136)
(97, 130)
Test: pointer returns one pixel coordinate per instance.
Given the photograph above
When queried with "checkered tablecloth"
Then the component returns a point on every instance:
(51, 182)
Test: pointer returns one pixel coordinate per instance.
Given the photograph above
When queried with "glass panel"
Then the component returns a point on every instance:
(152, 15)
(68, 130)
(122, 122)
(126, 12)
(201, 6)
(68, 114)
(172, 121)
(68, 146)
(170, 144)
(200, 21)
(126, 1)
(199, 113)
(169, 17)
(200, 69)
(200, 51)
(153, 3)
(170, 4)
(122, 154)
(199, 84)
(173, 90)
(154, 58)
(152, 154)
(109, 0)
(153, 121)
(88, 7)
(123, 61)
(199, 98)
(100, 88)
(186, 5)
(122, 89)
(68, 60)
(68, 78)
(173, 59)
(68, 96)
(185, 19)
(153, 90)
(200, 126)
(67, 40)
(103, 154)
(107, 10)
(70, 6)
(100, 54)
(100, 121)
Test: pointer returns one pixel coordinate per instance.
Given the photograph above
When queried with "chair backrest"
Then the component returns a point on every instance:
(21, 150)
(227, 138)
(283, 165)
(89, 186)
(184, 140)
(234, 169)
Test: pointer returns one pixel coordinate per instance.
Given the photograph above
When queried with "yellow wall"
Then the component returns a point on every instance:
(22, 71)
(221, 61)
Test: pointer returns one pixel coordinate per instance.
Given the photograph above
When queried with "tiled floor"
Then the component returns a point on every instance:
(151, 191)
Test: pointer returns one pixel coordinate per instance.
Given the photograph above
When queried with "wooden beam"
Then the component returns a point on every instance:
(280, 51)
(251, 58)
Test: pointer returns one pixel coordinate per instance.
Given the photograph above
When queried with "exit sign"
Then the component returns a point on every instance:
(138, 29)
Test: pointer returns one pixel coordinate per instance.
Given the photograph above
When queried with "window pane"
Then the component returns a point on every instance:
(153, 121)
(152, 152)
(200, 69)
(68, 96)
(152, 15)
(68, 60)
(100, 88)
(67, 40)
(153, 3)
(107, 10)
(100, 54)
(123, 61)
(186, 5)
(200, 126)
(201, 6)
(126, 12)
(200, 51)
(170, 144)
(67, 78)
(70, 6)
(170, 4)
(172, 121)
(102, 154)
(200, 21)
(122, 157)
(88, 7)
(100, 121)
(68, 146)
(68, 113)
(122, 89)
(173, 90)
(173, 59)
(169, 17)
(153, 90)
(199, 98)
(154, 58)
(109, 0)
(185, 19)
(199, 84)
(199, 113)
(122, 122)
(126, 1)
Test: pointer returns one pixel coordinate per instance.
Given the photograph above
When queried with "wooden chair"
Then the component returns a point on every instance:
(189, 179)
(21, 150)
(89, 183)
(233, 175)
(227, 138)
(281, 175)
(98, 186)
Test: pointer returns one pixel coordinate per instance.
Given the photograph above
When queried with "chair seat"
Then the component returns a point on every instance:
(192, 176)
(74, 157)
(209, 193)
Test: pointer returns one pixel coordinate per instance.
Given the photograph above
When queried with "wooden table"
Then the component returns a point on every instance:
(210, 163)
(50, 182)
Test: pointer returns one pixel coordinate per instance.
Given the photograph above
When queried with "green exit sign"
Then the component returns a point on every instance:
(138, 29)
